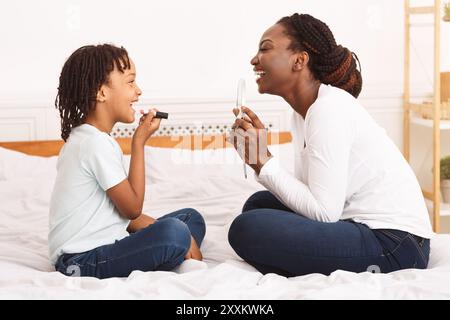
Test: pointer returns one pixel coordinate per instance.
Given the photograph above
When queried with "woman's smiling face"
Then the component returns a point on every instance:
(274, 62)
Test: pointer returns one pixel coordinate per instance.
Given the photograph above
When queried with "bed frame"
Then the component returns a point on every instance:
(193, 142)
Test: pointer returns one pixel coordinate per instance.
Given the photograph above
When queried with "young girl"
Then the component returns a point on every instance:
(96, 225)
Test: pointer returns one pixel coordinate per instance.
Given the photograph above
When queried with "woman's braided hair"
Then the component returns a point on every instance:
(330, 63)
(83, 74)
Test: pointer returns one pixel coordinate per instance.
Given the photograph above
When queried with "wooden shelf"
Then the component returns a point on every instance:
(418, 106)
(444, 124)
(421, 10)
(414, 113)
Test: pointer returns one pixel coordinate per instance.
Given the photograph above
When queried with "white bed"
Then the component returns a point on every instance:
(214, 185)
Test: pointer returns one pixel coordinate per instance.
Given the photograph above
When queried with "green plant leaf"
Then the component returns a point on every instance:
(445, 168)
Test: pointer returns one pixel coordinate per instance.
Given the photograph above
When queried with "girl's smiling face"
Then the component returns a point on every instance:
(120, 92)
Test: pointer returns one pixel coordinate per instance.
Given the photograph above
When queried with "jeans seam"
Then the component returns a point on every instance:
(118, 258)
(408, 236)
(418, 248)
(188, 218)
(390, 253)
(318, 256)
(391, 235)
(129, 254)
(187, 215)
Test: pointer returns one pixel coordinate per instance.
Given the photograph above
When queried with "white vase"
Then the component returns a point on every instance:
(445, 190)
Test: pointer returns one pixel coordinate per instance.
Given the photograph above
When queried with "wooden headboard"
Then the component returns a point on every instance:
(52, 147)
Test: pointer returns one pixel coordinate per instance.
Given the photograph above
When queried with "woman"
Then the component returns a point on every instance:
(354, 203)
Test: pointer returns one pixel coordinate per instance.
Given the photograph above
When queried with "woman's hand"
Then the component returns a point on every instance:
(249, 138)
(148, 125)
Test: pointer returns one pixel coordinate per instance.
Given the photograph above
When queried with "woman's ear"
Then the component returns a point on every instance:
(101, 94)
(301, 60)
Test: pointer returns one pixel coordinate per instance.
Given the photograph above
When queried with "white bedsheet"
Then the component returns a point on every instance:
(25, 271)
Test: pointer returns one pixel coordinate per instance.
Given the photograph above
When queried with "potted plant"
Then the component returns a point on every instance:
(447, 11)
(445, 179)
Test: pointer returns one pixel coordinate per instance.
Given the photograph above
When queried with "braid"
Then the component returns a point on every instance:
(84, 72)
(330, 63)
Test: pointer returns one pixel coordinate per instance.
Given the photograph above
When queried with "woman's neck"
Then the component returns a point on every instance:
(303, 95)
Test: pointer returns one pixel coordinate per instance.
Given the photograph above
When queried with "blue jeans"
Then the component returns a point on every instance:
(160, 246)
(273, 239)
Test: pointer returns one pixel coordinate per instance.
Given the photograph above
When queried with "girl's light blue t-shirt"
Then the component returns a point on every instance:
(82, 216)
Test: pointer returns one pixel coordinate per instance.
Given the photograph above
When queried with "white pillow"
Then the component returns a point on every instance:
(163, 164)
(15, 165)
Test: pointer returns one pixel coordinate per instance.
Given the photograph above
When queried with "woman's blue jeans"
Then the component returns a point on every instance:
(160, 246)
(273, 239)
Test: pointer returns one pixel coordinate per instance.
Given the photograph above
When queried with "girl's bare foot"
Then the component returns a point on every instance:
(194, 251)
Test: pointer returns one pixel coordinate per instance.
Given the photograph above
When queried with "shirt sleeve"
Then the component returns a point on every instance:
(322, 198)
(103, 161)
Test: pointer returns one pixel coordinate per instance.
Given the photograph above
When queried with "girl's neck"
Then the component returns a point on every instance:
(100, 127)
(100, 121)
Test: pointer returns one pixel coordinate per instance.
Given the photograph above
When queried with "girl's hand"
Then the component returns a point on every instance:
(143, 221)
(148, 125)
(250, 137)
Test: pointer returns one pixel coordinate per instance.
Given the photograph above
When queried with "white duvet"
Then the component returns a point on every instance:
(214, 186)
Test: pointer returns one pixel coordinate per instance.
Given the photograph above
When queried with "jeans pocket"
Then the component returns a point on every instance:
(392, 235)
(393, 243)
(420, 246)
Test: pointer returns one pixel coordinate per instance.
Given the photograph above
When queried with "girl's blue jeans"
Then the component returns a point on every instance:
(160, 246)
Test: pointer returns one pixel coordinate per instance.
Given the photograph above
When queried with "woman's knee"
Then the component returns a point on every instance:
(255, 200)
(241, 231)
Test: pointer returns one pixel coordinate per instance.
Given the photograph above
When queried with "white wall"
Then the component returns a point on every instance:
(191, 53)
(184, 49)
